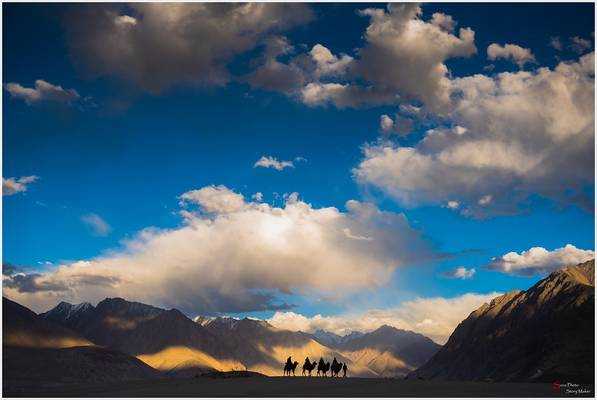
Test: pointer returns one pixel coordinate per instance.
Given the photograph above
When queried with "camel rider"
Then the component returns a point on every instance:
(289, 361)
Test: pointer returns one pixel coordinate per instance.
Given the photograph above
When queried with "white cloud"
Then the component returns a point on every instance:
(406, 54)
(42, 92)
(327, 63)
(579, 45)
(12, 186)
(434, 317)
(345, 95)
(98, 226)
(194, 42)
(232, 256)
(215, 199)
(400, 126)
(485, 200)
(538, 260)
(272, 162)
(459, 273)
(453, 205)
(518, 55)
(516, 134)
(257, 196)
(443, 21)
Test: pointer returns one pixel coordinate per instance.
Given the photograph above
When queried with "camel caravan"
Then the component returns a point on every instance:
(322, 367)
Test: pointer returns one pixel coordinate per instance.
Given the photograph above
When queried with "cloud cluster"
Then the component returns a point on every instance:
(513, 135)
(272, 162)
(402, 60)
(42, 92)
(434, 317)
(12, 186)
(538, 260)
(157, 45)
(231, 255)
(459, 273)
(518, 55)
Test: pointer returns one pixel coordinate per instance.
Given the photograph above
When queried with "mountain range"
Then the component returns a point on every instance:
(545, 333)
(540, 334)
(170, 342)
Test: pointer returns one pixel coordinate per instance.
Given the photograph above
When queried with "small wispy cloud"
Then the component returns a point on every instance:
(97, 225)
(41, 92)
(459, 273)
(272, 162)
(12, 186)
(579, 45)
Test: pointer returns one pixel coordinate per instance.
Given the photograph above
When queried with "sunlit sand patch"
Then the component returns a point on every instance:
(382, 363)
(311, 349)
(25, 339)
(180, 357)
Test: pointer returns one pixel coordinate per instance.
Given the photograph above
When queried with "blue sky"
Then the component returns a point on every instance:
(125, 154)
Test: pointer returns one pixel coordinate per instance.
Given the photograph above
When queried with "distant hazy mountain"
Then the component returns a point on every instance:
(331, 339)
(327, 338)
(264, 348)
(389, 351)
(37, 353)
(545, 333)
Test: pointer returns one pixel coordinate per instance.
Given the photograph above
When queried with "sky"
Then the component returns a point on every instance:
(333, 166)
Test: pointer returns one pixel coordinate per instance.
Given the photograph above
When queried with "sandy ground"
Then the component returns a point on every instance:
(296, 387)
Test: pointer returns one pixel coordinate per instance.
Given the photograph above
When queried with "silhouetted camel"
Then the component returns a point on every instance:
(344, 368)
(308, 366)
(322, 367)
(290, 367)
(336, 367)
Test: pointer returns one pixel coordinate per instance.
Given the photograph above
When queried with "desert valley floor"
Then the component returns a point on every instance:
(260, 386)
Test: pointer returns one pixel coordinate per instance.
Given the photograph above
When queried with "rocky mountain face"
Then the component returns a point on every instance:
(389, 351)
(67, 314)
(545, 333)
(37, 353)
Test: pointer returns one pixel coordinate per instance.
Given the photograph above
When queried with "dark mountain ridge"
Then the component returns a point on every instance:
(545, 333)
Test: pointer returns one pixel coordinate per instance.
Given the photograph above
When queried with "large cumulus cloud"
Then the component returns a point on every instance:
(231, 255)
(403, 60)
(513, 135)
(157, 45)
